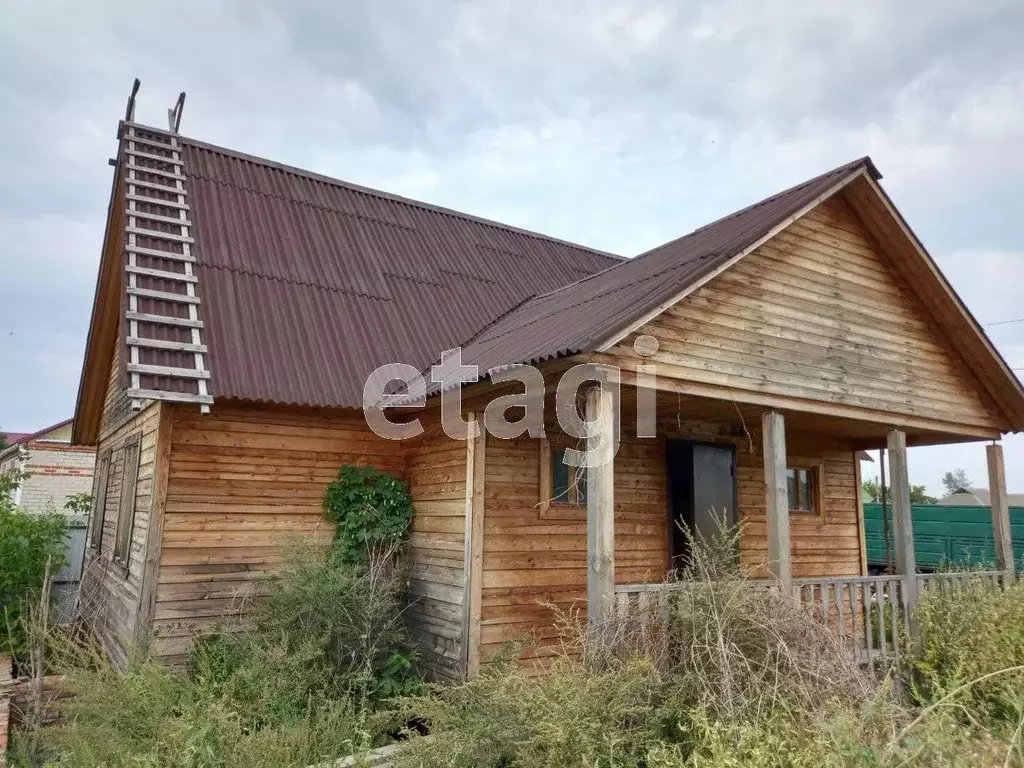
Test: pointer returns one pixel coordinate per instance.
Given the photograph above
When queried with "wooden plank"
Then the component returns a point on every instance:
(154, 534)
(903, 529)
(159, 187)
(158, 254)
(156, 200)
(601, 420)
(1000, 508)
(161, 274)
(175, 346)
(773, 428)
(170, 397)
(167, 370)
(177, 298)
(475, 495)
(861, 541)
(183, 322)
(157, 217)
(147, 156)
(157, 235)
(155, 172)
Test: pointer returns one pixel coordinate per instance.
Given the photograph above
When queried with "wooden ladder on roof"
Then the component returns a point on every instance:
(166, 353)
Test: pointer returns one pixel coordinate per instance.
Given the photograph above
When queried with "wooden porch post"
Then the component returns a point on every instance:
(773, 428)
(1000, 508)
(600, 505)
(903, 529)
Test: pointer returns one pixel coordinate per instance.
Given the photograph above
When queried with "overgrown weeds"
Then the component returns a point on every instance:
(310, 682)
(733, 674)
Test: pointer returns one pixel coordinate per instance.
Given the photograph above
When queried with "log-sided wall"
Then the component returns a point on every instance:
(111, 593)
(535, 556)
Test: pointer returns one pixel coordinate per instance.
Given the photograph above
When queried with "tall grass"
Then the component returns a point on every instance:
(303, 687)
(736, 674)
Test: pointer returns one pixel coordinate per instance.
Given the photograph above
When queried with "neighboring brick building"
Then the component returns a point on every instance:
(56, 468)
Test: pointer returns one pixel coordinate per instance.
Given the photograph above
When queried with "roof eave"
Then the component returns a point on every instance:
(97, 359)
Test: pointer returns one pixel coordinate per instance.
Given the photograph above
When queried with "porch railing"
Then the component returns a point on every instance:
(869, 615)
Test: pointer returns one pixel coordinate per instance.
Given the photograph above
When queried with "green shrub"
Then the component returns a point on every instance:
(968, 632)
(372, 510)
(312, 680)
(347, 617)
(29, 544)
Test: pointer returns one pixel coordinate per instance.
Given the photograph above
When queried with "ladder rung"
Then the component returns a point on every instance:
(182, 322)
(155, 172)
(171, 397)
(167, 370)
(148, 293)
(174, 346)
(158, 235)
(156, 200)
(138, 249)
(161, 274)
(151, 143)
(158, 187)
(150, 129)
(157, 217)
(149, 156)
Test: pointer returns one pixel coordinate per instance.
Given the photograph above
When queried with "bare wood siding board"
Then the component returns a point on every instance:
(110, 593)
(437, 471)
(239, 482)
(818, 314)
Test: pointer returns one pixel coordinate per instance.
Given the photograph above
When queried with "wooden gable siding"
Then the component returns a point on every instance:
(534, 557)
(240, 481)
(110, 595)
(818, 314)
(437, 469)
(116, 404)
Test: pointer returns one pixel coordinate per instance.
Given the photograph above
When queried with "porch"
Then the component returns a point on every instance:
(870, 614)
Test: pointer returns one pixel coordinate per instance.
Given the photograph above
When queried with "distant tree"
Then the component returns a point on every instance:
(918, 493)
(3, 440)
(956, 481)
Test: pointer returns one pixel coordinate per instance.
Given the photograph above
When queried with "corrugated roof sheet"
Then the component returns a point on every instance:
(309, 283)
(578, 317)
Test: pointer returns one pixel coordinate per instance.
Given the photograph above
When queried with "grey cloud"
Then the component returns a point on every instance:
(616, 124)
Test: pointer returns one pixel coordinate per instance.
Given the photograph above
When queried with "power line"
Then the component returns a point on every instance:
(1003, 322)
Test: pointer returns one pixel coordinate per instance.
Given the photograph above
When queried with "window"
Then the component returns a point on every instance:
(804, 487)
(568, 484)
(126, 507)
(563, 489)
(99, 500)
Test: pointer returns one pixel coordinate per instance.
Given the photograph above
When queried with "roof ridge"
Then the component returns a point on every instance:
(839, 169)
(865, 160)
(391, 196)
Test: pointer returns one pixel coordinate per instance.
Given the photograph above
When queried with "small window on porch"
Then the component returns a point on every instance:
(568, 484)
(563, 489)
(804, 485)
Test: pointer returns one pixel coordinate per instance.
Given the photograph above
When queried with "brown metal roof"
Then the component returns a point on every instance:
(581, 316)
(309, 283)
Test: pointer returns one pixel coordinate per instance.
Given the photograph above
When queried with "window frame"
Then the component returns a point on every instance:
(551, 508)
(817, 472)
(125, 525)
(101, 484)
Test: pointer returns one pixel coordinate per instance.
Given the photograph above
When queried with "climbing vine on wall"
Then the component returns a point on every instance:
(372, 510)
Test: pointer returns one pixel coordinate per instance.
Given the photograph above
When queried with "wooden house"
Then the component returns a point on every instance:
(241, 305)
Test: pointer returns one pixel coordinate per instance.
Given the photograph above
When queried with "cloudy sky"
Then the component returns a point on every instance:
(615, 124)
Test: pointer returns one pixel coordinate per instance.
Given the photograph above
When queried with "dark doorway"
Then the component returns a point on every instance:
(701, 487)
